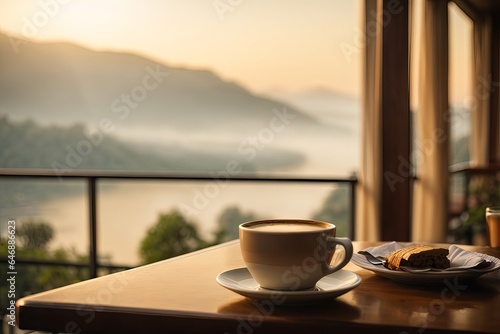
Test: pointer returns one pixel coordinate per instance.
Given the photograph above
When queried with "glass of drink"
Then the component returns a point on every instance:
(493, 222)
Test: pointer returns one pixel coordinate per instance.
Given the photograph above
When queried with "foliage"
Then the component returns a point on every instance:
(33, 238)
(172, 235)
(335, 210)
(33, 235)
(484, 191)
(229, 220)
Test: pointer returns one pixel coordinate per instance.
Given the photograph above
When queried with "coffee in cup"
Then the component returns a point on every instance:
(290, 254)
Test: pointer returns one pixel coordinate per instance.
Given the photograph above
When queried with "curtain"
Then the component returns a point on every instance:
(432, 152)
(369, 180)
(481, 95)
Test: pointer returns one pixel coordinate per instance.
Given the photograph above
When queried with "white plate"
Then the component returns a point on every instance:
(424, 278)
(240, 281)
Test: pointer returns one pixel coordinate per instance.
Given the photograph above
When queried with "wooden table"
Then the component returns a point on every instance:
(180, 295)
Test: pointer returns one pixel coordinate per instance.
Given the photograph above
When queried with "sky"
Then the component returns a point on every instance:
(278, 45)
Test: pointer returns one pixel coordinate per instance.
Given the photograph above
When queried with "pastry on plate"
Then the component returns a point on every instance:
(418, 256)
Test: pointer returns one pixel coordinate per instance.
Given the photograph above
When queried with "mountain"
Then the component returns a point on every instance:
(190, 118)
(64, 148)
(29, 145)
(67, 83)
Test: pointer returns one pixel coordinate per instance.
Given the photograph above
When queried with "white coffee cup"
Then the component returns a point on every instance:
(290, 254)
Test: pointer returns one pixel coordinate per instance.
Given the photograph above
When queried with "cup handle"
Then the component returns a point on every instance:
(347, 244)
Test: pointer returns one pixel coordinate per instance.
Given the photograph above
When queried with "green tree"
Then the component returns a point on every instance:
(228, 223)
(172, 235)
(33, 239)
(336, 210)
(34, 235)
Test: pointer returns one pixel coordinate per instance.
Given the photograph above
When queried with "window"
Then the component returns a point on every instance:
(215, 88)
(460, 82)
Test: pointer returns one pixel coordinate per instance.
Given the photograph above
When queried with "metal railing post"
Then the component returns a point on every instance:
(92, 226)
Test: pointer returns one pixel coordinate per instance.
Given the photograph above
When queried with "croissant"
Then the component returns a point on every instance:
(418, 256)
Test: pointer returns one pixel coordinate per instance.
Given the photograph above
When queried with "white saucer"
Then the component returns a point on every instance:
(240, 281)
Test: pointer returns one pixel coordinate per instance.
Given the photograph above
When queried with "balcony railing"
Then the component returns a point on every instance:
(92, 178)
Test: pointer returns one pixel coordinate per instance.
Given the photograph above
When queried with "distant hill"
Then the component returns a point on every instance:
(29, 145)
(66, 83)
(62, 148)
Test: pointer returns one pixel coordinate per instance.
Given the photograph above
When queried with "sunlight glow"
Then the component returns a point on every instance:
(264, 45)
